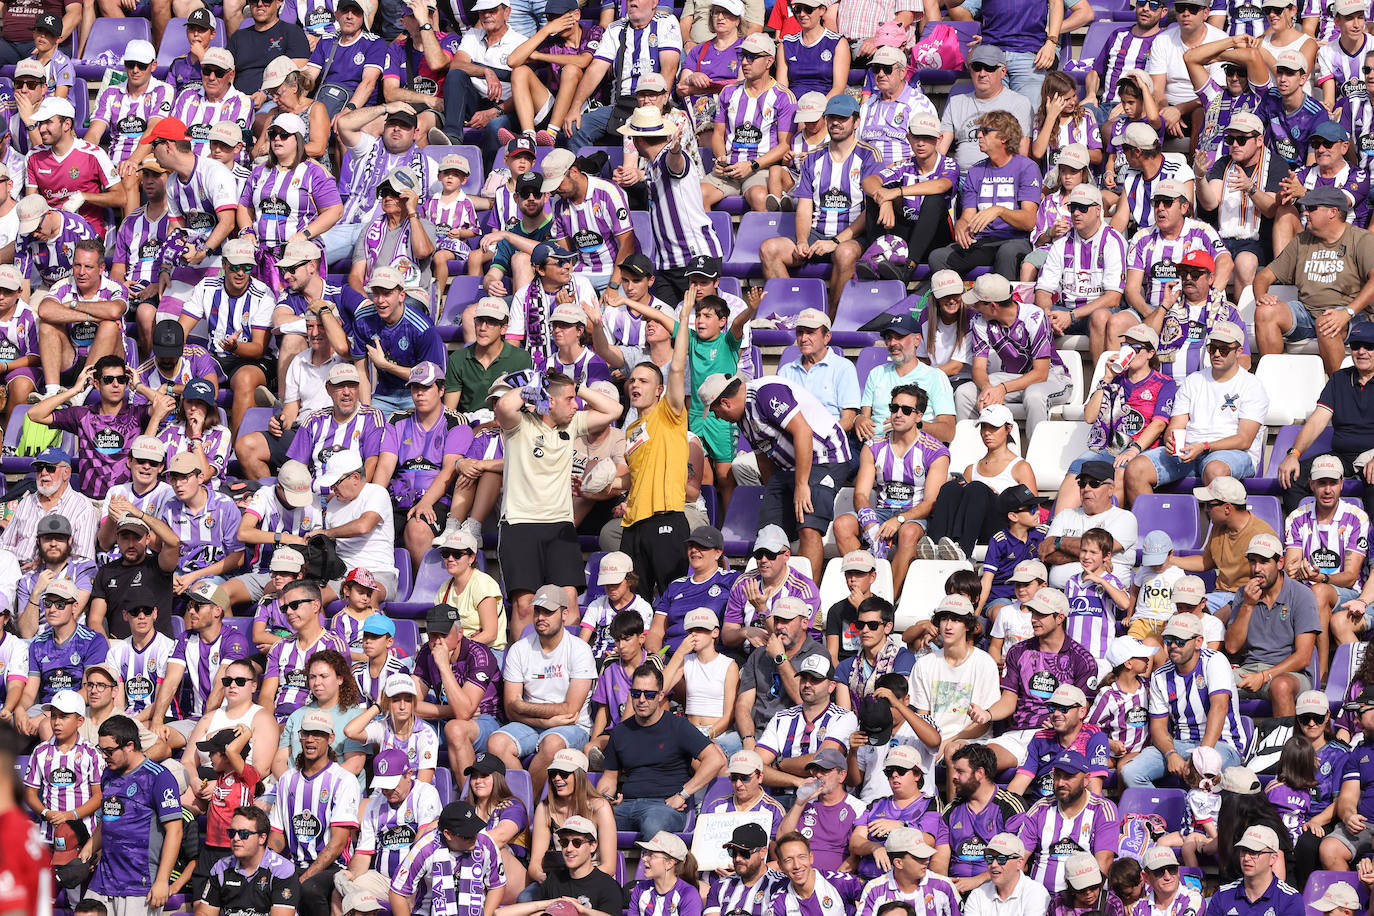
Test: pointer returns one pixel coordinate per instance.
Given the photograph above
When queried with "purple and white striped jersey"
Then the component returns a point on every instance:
(1243, 17)
(1357, 116)
(207, 536)
(1051, 837)
(591, 227)
(421, 746)
(677, 216)
(197, 202)
(1325, 545)
(63, 778)
(791, 734)
(903, 174)
(934, 896)
(201, 661)
(19, 332)
(1122, 716)
(1029, 338)
(128, 117)
(835, 189)
(349, 629)
(1092, 613)
(625, 328)
(388, 832)
(1184, 699)
(1123, 51)
(371, 687)
(1333, 63)
(1136, 190)
(195, 362)
(458, 213)
(284, 201)
(371, 162)
(899, 481)
(682, 899)
(770, 404)
(199, 113)
(1079, 270)
(1320, 10)
(835, 894)
(217, 444)
(138, 246)
(729, 896)
(141, 670)
(1158, 257)
(1353, 181)
(583, 369)
(309, 806)
(224, 315)
(457, 881)
(633, 52)
(287, 661)
(273, 516)
(884, 123)
(321, 434)
(754, 124)
(82, 333)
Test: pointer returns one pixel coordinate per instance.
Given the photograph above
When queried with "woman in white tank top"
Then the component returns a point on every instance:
(238, 709)
(705, 680)
(1283, 34)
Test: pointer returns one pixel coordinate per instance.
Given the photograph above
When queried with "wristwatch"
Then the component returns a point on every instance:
(426, 28)
(901, 519)
(779, 659)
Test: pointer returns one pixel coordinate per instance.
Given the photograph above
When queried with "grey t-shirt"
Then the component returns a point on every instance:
(761, 674)
(1273, 630)
(392, 247)
(961, 118)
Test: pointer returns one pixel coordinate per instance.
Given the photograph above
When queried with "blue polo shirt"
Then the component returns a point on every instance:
(1352, 412)
(881, 381)
(1277, 900)
(834, 381)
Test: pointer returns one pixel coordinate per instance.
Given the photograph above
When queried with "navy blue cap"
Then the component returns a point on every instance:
(53, 455)
(1072, 762)
(1331, 130)
(545, 250)
(903, 324)
(555, 8)
(842, 105)
(199, 389)
(520, 144)
(1363, 332)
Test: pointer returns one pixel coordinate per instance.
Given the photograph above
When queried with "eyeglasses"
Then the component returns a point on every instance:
(141, 611)
(749, 57)
(1090, 482)
(239, 268)
(240, 834)
(1080, 208)
(54, 601)
(217, 72)
(882, 69)
(1163, 870)
(990, 858)
(766, 554)
(293, 605)
(904, 409)
(741, 777)
(228, 681)
(114, 380)
(107, 752)
(97, 685)
(1221, 347)
(889, 772)
(1311, 718)
(637, 694)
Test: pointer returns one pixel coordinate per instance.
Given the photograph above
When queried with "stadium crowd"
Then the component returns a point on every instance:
(407, 507)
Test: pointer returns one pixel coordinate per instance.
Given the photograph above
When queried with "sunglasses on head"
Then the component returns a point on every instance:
(882, 69)
(637, 694)
(904, 409)
(239, 834)
(213, 71)
(874, 625)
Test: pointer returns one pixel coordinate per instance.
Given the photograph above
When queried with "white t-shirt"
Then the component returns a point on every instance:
(872, 757)
(946, 348)
(1012, 625)
(1215, 409)
(1154, 600)
(1071, 523)
(1166, 57)
(373, 550)
(305, 382)
(1213, 630)
(475, 45)
(546, 675)
(9, 227)
(947, 692)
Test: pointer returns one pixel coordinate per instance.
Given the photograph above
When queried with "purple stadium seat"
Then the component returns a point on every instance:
(443, 784)
(242, 625)
(1268, 509)
(592, 568)
(725, 231)
(643, 234)
(869, 359)
(708, 494)
(473, 155)
(402, 560)
(11, 463)
(719, 788)
(81, 101)
(1096, 40)
(407, 637)
(111, 33)
(741, 523)
(174, 43)
(860, 302)
(1319, 881)
(1284, 439)
(1174, 514)
(462, 292)
(730, 286)
(786, 298)
(1167, 803)
(754, 229)
(1338, 678)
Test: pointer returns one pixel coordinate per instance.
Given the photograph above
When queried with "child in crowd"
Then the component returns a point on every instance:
(1013, 622)
(1053, 219)
(1199, 833)
(1019, 541)
(1152, 602)
(1096, 595)
(1291, 791)
(358, 588)
(1126, 881)
(1063, 121)
(230, 782)
(62, 782)
(1120, 708)
(1136, 92)
(455, 216)
(611, 696)
(617, 576)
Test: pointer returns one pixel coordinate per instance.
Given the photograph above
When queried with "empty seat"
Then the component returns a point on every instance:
(741, 523)
(860, 302)
(754, 230)
(1175, 514)
(1053, 448)
(1292, 382)
(462, 292)
(869, 359)
(1170, 804)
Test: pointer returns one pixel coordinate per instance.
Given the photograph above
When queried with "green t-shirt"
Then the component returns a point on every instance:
(469, 376)
(707, 357)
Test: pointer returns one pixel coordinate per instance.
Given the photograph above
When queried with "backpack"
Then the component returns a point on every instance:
(322, 562)
(940, 50)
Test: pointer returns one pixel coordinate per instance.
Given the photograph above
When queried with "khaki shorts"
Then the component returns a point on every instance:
(1304, 682)
(1144, 629)
(735, 187)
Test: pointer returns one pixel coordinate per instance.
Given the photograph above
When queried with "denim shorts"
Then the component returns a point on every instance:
(1170, 468)
(1304, 324)
(1077, 464)
(528, 739)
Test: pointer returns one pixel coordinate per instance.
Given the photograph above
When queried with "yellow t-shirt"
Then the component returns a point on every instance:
(656, 451)
(480, 587)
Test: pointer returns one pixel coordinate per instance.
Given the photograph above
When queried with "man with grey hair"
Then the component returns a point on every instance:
(987, 67)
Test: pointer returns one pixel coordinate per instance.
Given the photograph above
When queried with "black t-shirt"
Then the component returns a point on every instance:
(1352, 412)
(654, 761)
(842, 621)
(254, 50)
(273, 884)
(116, 582)
(598, 890)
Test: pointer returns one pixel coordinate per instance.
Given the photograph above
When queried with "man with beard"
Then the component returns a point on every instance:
(1259, 890)
(1050, 826)
(793, 737)
(138, 246)
(457, 860)
(55, 561)
(144, 492)
(135, 565)
(749, 887)
(53, 492)
(203, 653)
(1008, 889)
(511, 267)
(254, 881)
(981, 810)
(902, 337)
(400, 810)
(769, 680)
(69, 172)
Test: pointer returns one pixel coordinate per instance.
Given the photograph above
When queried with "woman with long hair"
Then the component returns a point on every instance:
(508, 823)
(670, 879)
(1062, 119)
(1282, 33)
(288, 198)
(570, 794)
(946, 343)
(1241, 810)
(803, 64)
(195, 428)
(240, 681)
(1314, 724)
(283, 83)
(391, 723)
(332, 690)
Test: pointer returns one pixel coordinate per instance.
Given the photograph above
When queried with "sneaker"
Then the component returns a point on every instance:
(789, 204)
(263, 397)
(948, 550)
(544, 138)
(772, 203)
(505, 135)
(34, 397)
(472, 526)
(866, 270)
(926, 549)
(437, 137)
(596, 760)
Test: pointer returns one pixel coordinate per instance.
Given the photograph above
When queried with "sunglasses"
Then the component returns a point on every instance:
(1222, 348)
(882, 69)
(107, 752)
(277, 133)
(1188, 8)
(576, 842)
(239, 268)
(240, 834)
(1080, 208)
(990, 858)
(1311, 718)
(526, 195)
(1323, 143)
(749, 57)
(293, 605)
(213, 71)
(1361, 345)
(1367, 70)
(147, 462)
(1163, 870)
(141, 611)
(741, 777)
(228, 681)
(1231, 70)
(904, 409)
(28, 84)
(136, 65)
(448, 553)
(983, 68)
(889, 772)
(765, 555)
(1240, 139)
(637, 694)
(57, 602)
(1174, 641)
(1190, 273)
(1090, 482)
(1059, 708)
(874, 625)
(44, 468)
(1163, 201)
(114, 380)
(742, 852)
(1152, 4)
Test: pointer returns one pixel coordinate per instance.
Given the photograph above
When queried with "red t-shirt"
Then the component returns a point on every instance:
(25, 869)
(232, 790)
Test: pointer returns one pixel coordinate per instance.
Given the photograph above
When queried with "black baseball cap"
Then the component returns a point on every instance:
(875, 720)
(1098, 470)
(1015, 498)
(703, 265)
(216, 742)
(461, 817)
(200, 19)
(403, 116)
(169, 338)
(530, 182)
(486, 764)
(1363, 701)
(638, 264)
(748, 836)
(707, 536)
(903, 324)
(440, 619)
(50, 24)
(522, 145)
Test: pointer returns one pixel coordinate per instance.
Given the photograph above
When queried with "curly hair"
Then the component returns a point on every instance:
(1006, 126)
(349, 695)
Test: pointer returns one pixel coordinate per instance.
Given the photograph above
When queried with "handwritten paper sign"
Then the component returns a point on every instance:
(713, 831)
